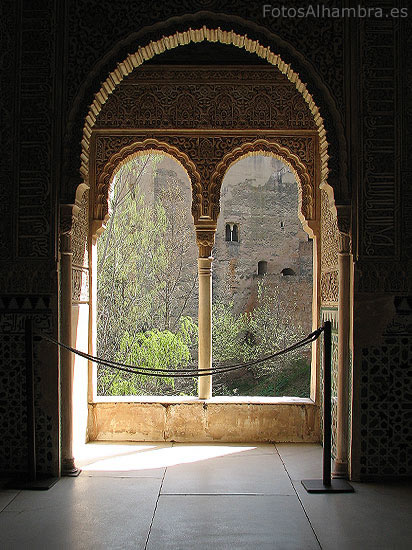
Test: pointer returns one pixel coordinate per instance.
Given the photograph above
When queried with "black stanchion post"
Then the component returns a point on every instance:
(327, 484)
(31, 415)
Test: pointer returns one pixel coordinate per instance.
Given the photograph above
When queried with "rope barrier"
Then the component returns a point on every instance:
(185, 372)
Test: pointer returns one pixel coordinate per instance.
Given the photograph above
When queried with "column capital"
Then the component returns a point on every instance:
(205, 238)
(344, 217)
(68, 213)
(344, 243)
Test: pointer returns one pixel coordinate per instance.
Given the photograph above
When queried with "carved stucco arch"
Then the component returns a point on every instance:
(306, 187)
(193, 35)
(124, 155)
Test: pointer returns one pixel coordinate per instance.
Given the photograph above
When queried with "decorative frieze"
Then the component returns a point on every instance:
(380, 200)
(206, 156)
(383, 277)
(206, 98)
(34, 132)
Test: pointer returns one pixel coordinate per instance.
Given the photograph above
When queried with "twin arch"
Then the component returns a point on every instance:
(206, 193)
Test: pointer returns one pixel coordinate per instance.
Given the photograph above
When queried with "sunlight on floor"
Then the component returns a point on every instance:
(126, 457)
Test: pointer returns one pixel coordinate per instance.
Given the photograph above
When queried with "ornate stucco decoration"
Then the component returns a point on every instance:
(203, 33)
(206, 155)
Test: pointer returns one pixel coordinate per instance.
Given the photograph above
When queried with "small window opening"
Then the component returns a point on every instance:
(262, 267)
(287, 271)
(232, 232)
(228, 233)
(282, 225)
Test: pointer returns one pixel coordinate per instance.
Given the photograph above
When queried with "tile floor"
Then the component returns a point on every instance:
(226, 497)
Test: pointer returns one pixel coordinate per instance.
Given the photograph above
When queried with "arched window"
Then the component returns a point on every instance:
(287, 271)
(232, 232)
(262, 267)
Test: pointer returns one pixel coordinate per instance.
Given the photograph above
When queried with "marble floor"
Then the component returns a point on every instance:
(223, 496)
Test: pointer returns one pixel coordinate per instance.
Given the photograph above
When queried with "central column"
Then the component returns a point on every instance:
(205, 325)
(205, 240)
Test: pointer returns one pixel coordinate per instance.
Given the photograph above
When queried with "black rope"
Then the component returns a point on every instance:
(186, 372)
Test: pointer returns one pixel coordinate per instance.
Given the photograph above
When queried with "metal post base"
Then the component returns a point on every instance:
(39, 484)
(336, 486)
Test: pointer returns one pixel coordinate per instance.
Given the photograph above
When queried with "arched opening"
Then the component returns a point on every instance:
(287, 271)
(255, 309)
(231, 233)
(146, 275)
(305, 151)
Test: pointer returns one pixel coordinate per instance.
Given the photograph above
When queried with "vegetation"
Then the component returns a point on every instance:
(246, 337)
(146, 278)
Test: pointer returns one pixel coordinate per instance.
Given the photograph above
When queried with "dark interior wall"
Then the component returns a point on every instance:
(382, 314)
(54, 55)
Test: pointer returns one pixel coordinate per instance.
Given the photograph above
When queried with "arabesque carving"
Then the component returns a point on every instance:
(206, 97)
(205, 239)
(330, 234)
(203, 33)
(210, 154)
(79, 242)
(330, 246)
(80, 230)
(329, 287)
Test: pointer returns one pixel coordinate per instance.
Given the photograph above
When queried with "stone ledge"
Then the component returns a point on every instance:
(190, 399)
(188, 419)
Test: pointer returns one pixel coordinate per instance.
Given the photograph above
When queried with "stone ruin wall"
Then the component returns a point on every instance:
(260, 195)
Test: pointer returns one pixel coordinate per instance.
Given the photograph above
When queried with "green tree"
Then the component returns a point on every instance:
(243, 337)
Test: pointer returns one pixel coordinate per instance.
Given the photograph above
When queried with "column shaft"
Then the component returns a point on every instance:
(341, 460)
(66, 359)
(205, 325)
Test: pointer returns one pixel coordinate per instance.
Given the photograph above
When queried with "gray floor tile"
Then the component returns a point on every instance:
(233, 449)
(83, 514)
(6, 497)
(230, 523)
(213, 496)
(376, 517)
(302, 460)
(124, 459)
(262, 474)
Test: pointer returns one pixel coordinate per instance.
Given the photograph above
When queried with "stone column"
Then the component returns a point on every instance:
(205, 325)
(205, 241)
(340, 469)
(68, 467)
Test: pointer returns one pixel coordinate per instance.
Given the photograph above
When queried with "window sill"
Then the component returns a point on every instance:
(255, 400)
